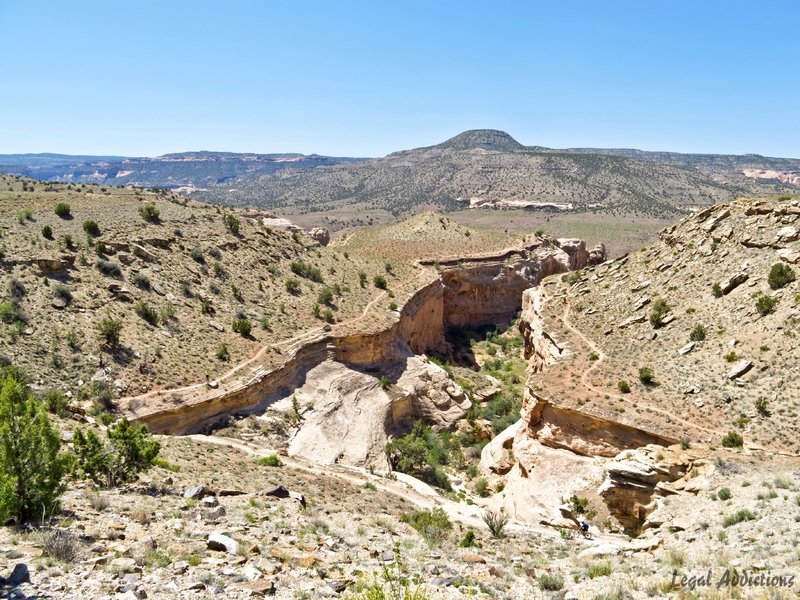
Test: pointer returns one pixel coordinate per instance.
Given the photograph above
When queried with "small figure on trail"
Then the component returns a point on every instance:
(584, 527)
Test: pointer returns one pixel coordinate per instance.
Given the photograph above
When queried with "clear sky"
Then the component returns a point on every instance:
(339, 77)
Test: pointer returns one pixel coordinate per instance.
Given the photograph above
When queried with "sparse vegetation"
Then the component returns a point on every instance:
(91, 228)
(63, 210)
(780, 275)
(732, 440)
(698, 334)
(433, 525)
(149, 212)
(110, 330)
(766, 304)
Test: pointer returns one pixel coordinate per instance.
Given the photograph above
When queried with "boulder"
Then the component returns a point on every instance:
(739, 368)
(687, 348)
(51, 265)
(733, 282)
(787, 234)
(19, 575)
(197, 492)
(222, 543)
(320, 234)
(631, 320)
(597, 254)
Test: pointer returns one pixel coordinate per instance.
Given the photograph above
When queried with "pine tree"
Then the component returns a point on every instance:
(31, 466)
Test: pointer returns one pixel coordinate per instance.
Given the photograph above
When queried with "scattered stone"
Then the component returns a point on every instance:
(687, 348)
(733, 282)
(787, 234)
(197, 492)
(740, 368)
(19, 575)
(124, 564)
(631, 320)
(209, 502)
(277, 491)
(473, 558)
(222, 543)
(641, 286)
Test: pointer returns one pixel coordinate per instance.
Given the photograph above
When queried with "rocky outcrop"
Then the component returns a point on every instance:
(320, 234)
(637, 481)
(352, 415)
(540, 349)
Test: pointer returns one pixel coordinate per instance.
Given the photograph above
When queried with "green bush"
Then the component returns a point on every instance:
(646, 375)
(698, 334)
(766, 304)
(108, 268)
(141, 281)
(724, 494)
(658, 311)
(740, 517)
(222, 352)
(242, 326)
(422, 453)
(231, 223)
(62, 209)
(149, 212)
(716, 290)
(732, 440)
(10, 312)
(601, 569)
(197, 254)
(780, 275)
(110, 330)
(292, 285)
(56, 403)
(91, 228)
(362, 279)
(468, 541)
(146, 312)
(270, 461)
(550, 582)
(623, 386)
(379, 281)
(433, 525)
(325, 296)
(31, 466)
(306, 270)
(482, 487)
(47, 232)
(496, 522)
(128, 450)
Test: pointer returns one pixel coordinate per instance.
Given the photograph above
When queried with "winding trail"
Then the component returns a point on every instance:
(601, 357)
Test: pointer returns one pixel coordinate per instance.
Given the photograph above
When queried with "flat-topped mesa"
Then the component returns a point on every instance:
(472, 291)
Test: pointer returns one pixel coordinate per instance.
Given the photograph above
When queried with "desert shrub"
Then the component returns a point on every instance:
(468, 541)
(62, 291)
(222, 352)
(242, 326)
(149, 212)
(732, 440)
(306, 270)
(550, 582)
(482, 487)
(128, 450)
(724, 494)
(108, 268)
(56, 403)
(271, 460)
(31, 464)
(24, 215)
(47, 232)
(716, 290)
(292, 285)
(496, 522)
(766, 304)
(739, 517)
(110, 330)
(433, 525)
(231, 223)
(658, 311)
(362, 279)
(762, 406)
(205, 306)
(62, 209)
(166, 313)
(646, 375)
(146, 312)
(91, 228)
(197, 254)
(327, 314)
(68, 241)
(60, 544)
(578, 504)
(325, 296)
(600, 569)
(623, 386)
(141, 281)
(392, 306)
(780, 275)
(386, 382)
(10, 312)
(698, 334)
(16, 289)
(379, 281)
(264, 322)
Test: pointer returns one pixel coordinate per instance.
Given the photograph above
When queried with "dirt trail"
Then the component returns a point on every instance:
(405, 487)
(603, 392)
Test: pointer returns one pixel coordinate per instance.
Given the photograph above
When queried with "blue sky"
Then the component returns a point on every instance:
(367, 78)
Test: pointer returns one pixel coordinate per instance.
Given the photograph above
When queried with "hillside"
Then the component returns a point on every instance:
(702, 311)
(489, 169)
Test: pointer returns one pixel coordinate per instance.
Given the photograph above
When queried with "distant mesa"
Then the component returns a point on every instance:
(487, 139)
